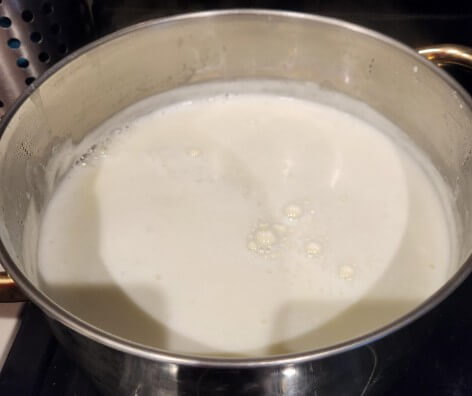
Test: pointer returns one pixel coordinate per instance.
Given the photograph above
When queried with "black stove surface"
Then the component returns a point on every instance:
(38, 366)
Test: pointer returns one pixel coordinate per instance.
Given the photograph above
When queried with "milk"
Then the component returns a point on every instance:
(246, 219)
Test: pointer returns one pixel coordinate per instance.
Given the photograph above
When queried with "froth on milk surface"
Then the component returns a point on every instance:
(246, 218)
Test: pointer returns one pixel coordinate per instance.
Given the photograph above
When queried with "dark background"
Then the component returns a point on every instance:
(414, 22)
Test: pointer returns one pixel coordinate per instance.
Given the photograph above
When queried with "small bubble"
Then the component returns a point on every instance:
(312, 249)
(293, 211)
(263, 240)
(251, 245)
(265, 237)
(193, 152)
(346, 272)
(415, 69)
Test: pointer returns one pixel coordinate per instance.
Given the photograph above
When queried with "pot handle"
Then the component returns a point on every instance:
(9, 292)
(448, 54)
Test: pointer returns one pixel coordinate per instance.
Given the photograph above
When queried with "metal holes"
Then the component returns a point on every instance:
(5, 22)
(29, 80)
(44, 57)
(22, 63)
(14, 43)
(27, 15)
(36, 37)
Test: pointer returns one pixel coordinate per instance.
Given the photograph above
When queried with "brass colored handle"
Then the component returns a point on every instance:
(448, 54)
(9, 292)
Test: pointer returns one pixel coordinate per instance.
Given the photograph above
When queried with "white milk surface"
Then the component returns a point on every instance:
(247, 224)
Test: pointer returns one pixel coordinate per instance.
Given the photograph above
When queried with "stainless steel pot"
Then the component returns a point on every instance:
(92, 84)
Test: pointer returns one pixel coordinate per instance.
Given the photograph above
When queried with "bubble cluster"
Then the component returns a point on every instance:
(289, 233)
(95, 152)
(85, 157)
(99, 149)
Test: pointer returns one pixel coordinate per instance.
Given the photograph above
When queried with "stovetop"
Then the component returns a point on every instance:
(38, 366)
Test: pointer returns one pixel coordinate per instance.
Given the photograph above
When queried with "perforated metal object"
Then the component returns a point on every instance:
(34, 35)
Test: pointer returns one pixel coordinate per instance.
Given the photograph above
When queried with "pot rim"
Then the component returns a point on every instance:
(56, 312)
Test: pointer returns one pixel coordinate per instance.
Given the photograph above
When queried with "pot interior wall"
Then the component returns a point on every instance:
(157, 57)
